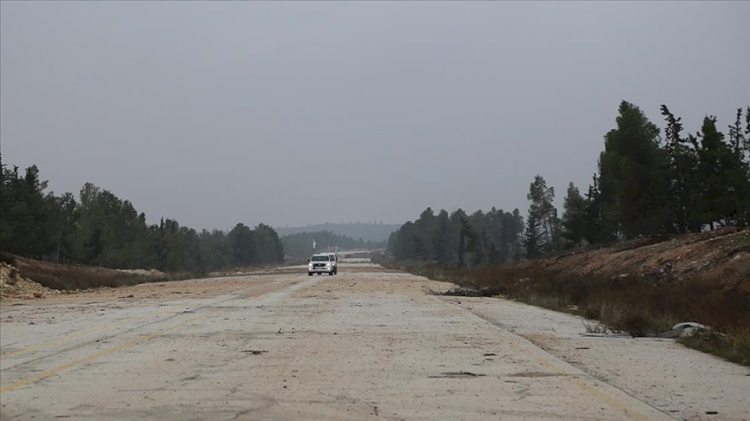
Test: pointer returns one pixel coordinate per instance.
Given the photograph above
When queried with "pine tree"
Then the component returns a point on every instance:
(717, 195)
(633, 184)
(574, 217)
(596, 229)
(462, 249)
(25, 214)
(441, 238)
(531, 238)
(739, 173)
(544, 215)
(423, 235)
(241, 240)
(682, 163)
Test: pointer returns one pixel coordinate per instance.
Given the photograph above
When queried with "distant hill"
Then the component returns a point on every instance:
(366, 232)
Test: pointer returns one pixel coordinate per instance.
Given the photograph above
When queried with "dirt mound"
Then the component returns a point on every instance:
(70, 278)
(720, 254)
(13, 285)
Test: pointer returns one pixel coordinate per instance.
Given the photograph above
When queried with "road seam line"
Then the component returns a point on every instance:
(586, 388)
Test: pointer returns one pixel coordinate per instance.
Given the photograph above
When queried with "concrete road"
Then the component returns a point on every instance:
(365, 344)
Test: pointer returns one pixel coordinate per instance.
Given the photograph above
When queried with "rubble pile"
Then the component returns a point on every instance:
(13, 285)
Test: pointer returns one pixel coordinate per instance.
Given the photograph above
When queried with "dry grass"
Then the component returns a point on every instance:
(68, 277)
(78, 278)
(733, 345)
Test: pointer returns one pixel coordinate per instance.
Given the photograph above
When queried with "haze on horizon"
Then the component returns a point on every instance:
(301, 113)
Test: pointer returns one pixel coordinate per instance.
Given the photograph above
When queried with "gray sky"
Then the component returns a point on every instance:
(294, 113)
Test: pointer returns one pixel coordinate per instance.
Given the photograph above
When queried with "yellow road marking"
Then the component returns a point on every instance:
(75, 335)
(144, 338)
(79, 334)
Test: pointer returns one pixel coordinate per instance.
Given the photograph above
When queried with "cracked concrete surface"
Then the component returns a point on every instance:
(365, 344)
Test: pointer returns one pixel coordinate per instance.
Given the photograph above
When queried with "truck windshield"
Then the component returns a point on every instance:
(320, 258)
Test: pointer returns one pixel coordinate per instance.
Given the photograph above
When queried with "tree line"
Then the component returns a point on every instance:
(458, 238)
(101, 229)
(375, 232)
(646, 185)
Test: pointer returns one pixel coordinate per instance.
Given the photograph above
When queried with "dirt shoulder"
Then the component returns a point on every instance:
(720, 254)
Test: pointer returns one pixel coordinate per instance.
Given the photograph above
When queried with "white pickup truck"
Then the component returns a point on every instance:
(323, 263)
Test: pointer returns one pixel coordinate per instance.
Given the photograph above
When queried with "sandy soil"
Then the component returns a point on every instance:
(365, 344)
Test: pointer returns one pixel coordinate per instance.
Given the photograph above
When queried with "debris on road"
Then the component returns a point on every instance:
(472, 292)
(456, 374)
(681, 330)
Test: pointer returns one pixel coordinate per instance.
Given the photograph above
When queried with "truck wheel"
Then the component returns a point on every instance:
(309, 273)
(330, 273)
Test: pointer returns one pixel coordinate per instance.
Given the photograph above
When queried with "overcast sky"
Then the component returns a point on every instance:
(294, 113)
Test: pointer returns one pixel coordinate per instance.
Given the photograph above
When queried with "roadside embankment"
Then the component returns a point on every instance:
(642, 287)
